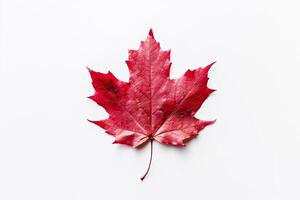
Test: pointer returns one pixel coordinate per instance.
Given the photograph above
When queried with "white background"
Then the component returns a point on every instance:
(48, 151)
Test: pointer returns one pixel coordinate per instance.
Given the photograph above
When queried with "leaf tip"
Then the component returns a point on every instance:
(210, 65)
(91, 121)
(151, 33)
(91, 72)
(207, 123)
(88, 69)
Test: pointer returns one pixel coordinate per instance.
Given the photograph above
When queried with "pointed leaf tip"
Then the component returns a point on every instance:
(151, 33)
(207, 68)
(211, 64)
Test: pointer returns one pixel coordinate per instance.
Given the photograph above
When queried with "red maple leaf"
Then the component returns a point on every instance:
(151, 106)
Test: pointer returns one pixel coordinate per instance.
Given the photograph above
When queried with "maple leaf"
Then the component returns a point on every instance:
(151, 106)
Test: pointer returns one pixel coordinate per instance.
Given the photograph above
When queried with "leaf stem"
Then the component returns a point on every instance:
(150, 161)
